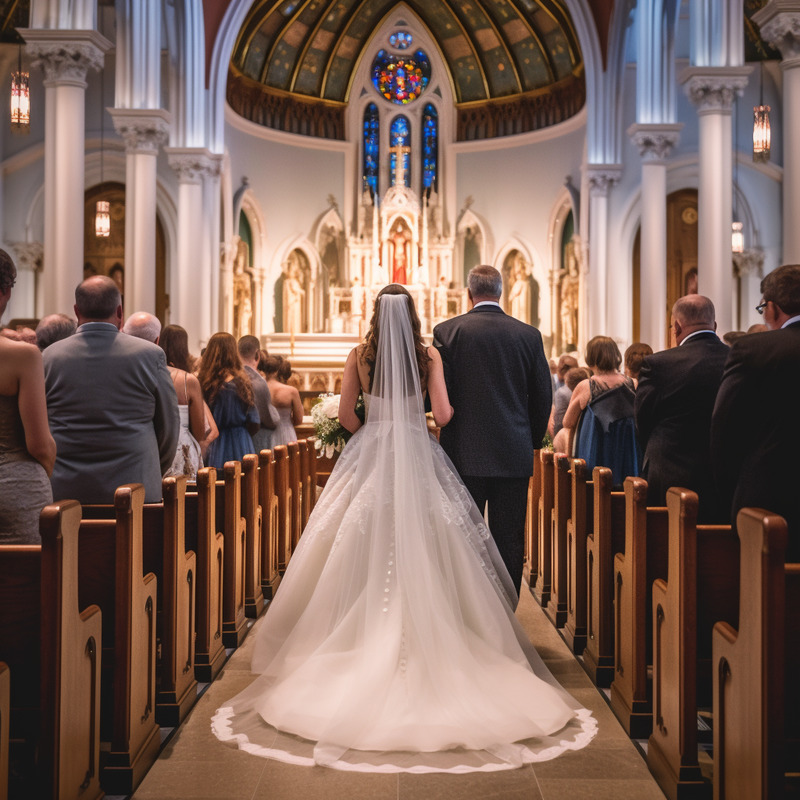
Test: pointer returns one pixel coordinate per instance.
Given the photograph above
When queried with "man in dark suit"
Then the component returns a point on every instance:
(500, 389)
(674, 400)
(755, 430)
(111, 404)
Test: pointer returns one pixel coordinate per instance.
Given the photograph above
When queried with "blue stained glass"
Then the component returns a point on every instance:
(401, 40)
(430, 147)
(400, 135)
(371, 148)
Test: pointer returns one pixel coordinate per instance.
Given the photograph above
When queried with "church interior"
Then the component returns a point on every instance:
(265, 167)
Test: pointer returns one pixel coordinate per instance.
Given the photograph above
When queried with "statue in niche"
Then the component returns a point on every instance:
(568, 306)
(440, 299)
(399, 250)
(472, 250)
(293, 296)
(358, 306)
(242, 293)
(519, 298)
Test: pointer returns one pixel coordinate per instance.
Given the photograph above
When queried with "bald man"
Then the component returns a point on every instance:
(143, 325)
(674, 400)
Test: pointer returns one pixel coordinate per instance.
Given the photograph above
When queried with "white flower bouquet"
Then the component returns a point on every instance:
(331, 435)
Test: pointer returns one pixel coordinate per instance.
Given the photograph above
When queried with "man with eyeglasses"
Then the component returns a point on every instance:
(755, 428)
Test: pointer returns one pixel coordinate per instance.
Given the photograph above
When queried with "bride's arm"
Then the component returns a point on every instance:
(351, 385)
(437, 390)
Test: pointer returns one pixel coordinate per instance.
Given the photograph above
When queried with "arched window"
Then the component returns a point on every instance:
(400, 142)
(369, 174)
(430, 148)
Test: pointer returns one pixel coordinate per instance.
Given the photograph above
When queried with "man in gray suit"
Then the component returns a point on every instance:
(111, 404)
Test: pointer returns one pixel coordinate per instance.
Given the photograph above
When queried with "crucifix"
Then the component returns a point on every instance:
(399, 151)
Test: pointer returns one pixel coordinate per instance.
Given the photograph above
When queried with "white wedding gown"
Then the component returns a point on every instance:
(392, 644)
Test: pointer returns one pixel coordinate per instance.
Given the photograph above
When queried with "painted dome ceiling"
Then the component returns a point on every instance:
(494, 50)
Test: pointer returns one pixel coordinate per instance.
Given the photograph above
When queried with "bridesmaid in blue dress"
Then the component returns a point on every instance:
(227, 390)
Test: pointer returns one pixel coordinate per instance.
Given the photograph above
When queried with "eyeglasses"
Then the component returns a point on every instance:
(761, 306)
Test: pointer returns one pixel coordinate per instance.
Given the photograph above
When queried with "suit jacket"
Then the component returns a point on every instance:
(755, 430)
(674, 400)
(113, 412)
(499, 384)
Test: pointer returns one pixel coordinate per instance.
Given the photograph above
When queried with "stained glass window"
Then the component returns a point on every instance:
(401, 80)
(400, 136)
(430, 147)
(371, 148)
(401, 40)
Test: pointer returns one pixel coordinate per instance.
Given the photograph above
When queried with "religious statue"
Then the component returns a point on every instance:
(399, 251)
(358, 306)
(242, 291)
(293, 293)
(519, 297)
(568, 308)
(440, 299)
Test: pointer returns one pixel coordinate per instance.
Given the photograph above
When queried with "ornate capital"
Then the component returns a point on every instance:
(28, 255)
(779, 24)
(66, 56)
(602, 177)
(749, 262)
(655, 141)
(193, 164)
(712, 89)
(143, 130)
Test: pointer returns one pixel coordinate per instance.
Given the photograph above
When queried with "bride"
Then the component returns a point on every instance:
(392, 645)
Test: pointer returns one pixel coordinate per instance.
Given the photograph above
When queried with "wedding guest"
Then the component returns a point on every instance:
(27, 449)
(634, 356)
(249, 352)
(562, 397)
(54, 328)
(285, 398)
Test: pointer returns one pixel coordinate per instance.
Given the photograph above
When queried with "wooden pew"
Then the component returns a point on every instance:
(268, 499)
(307, 482)
(702, 588)
(283, 489)
(556, 608)
(166, 555)
(532, 523)
(208, 542)
(231, 522)
(297, 491)
(581, 490)
(643, 561)
(754, 668)
(53, 653)
(5, 713)
(111, 575)
(544, 564)
(251, 513)
(312, 473)
(605, 538)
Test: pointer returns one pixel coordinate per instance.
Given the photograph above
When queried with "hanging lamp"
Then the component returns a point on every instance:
(102, 216)
(20, 98)
(761, 127)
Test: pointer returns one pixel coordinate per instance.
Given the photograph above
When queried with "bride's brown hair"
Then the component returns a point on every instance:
(370, 348)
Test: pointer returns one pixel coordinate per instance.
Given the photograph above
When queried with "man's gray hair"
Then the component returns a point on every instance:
(485, 281)
(143, 326)
(54, 328)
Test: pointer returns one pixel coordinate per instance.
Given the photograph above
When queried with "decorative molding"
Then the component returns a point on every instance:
(28, 255)
(655, 141)
(712, 89)
(143, 130)
(602, 178)
(749, 262)
(65, 56)
(193, 164)
(779, 24)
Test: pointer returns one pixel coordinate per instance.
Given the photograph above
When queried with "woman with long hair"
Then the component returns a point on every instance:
(227, 390)
(27, 449)
(285, 398)
(392, 644)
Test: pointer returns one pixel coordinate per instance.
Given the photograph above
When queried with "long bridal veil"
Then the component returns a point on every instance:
(392, 643)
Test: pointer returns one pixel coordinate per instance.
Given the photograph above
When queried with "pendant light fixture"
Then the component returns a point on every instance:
(102, 217)
(20, 98)
(761, 128)
(737, 234)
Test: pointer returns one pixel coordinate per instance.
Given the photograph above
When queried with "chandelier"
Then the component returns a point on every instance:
(20, 99)
(761, 130)
(102, 216)
(737, 237)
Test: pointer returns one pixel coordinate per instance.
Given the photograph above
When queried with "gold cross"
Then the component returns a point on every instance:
(399, 172)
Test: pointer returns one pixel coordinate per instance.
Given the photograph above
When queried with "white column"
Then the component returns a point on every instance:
(780, 25)
(190, 283)
(655, 142)
(712, 90)
(601, 178)
(65, 57)
(213, 253)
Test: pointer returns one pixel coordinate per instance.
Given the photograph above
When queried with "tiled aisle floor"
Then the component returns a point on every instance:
(195, 765)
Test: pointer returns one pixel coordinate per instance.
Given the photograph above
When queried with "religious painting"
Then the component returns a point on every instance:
(568, 288)
(399, 241)
(473, 246)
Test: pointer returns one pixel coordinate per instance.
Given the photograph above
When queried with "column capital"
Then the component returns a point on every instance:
(193, 164)
(655, 140)
(65, 56)
(779, 24)
(712, 89)
(749, 262)
(28, 255)
(143, 130)
(602, 177)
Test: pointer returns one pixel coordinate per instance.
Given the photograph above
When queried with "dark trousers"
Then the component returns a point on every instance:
(508, 504)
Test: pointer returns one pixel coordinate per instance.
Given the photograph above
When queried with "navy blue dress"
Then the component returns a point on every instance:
(231, 415)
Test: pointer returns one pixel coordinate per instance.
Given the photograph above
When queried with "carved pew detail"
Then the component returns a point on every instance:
(283, 489)
(702, 587)
(531, 523)
(577, 531)
(556, 608)
(229, 518)
(606, 537)
(750, 666)
(254, 543)
(644, 560)
(267, 497)
(544, 574)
